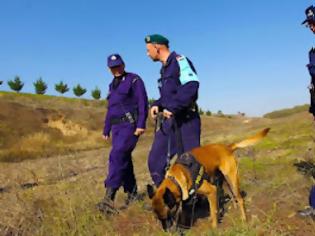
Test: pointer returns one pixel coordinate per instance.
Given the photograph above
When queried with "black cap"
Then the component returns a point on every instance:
(114, 60)
(310, 15)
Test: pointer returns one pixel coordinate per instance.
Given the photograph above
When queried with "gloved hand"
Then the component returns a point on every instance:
(311, 65)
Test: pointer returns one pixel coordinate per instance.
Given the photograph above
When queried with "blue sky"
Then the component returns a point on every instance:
(250, 55)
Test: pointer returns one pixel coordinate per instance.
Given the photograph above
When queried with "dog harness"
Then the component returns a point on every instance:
(197, 174)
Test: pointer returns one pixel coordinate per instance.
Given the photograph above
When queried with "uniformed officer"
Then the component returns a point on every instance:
(310, 23)
(179, 129)
(126, 121)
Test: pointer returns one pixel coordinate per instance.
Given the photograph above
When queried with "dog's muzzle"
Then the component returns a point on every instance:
(172, 217)
(167, 223)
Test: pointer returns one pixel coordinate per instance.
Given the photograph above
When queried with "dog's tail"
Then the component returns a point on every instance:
(250, 141)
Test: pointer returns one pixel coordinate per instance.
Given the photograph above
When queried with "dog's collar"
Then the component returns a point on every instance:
(173, 179)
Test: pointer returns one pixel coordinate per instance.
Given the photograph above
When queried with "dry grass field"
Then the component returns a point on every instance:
(53, 163)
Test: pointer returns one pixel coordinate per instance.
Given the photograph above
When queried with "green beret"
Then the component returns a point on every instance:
(157, 39)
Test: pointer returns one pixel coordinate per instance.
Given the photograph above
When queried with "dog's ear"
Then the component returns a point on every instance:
(150, 190)
(169, 198)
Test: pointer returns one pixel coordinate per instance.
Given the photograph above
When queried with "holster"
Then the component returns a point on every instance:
(130, 117)
(159, 121)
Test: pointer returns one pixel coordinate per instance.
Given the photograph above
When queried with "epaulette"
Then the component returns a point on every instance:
(186, 72)
(135, 79)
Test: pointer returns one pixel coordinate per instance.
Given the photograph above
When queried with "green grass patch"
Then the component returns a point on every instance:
(286, 112)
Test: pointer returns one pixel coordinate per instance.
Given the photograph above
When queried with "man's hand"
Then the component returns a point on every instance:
(154, 111)
(105, 137)
(139, 131)
(167, 114)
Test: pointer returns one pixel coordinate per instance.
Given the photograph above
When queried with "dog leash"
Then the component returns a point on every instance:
(193, 210)
(158, 126)
(178, 211)
(179, 144)
(168, 159)
(178, 136)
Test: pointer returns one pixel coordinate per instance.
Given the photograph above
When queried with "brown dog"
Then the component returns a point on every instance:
(178, 181)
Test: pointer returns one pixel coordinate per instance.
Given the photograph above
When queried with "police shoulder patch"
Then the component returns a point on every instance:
(135, 79)
(186, 72)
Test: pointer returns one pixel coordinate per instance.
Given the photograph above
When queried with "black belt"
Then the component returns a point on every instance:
(128, 117)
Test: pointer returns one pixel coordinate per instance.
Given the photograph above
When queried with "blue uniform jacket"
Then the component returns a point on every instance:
(174, 96)
(129, 96)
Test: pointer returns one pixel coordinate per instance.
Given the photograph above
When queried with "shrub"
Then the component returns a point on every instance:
(16, 84)
(96, 93)
(40, 86)
(61, 87)
(79, 91)
(220, 113)
(151, 101)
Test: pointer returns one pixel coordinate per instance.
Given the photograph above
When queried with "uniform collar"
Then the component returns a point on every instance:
(170, 58)
(117, 80)
(122, 76)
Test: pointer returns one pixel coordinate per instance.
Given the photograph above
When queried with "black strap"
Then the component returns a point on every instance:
(179, 140)
(119, 120)
(173, 179)
(168, 158)
(128, 117)
(196, 170)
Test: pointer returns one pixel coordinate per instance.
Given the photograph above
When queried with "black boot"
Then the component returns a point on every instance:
(106, 206)
(110, 193)
(308, 212)
(131, 196)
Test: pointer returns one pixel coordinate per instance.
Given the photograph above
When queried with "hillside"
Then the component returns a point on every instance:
(286, 112)
(33, 126)
(53, 163)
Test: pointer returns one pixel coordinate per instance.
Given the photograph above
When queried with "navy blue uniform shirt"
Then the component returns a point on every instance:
(174, 96)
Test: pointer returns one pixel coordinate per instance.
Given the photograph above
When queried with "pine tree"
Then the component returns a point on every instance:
(40, 86)
(208, 113)
(1, 82)
(79, 91)
(16, 84)
(96, 93)
(151, 101)
(61, 87)
(201, 112)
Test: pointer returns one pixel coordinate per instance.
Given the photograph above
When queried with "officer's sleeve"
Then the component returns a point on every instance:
(185, 96)
(142, 100)
(107, 126)
(311, 65)
(312, 96)
(157, 103)
(186, 93)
